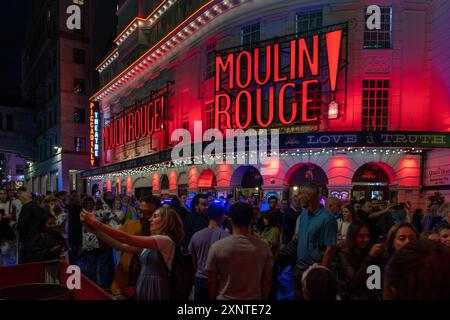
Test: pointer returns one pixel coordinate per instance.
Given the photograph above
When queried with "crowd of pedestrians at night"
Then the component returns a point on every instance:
(204, 248)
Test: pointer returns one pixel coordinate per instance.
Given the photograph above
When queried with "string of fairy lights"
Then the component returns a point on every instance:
(246, 158)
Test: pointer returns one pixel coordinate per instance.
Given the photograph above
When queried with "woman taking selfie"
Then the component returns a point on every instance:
(156, 251)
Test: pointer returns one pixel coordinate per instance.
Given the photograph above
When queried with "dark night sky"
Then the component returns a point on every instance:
(13, 23)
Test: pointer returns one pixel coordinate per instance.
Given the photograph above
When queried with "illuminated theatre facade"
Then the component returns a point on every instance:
(356, 109)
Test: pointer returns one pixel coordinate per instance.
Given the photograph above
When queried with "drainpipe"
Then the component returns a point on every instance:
(423, 162)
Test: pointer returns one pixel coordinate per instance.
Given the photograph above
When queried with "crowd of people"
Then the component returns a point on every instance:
(206, 249)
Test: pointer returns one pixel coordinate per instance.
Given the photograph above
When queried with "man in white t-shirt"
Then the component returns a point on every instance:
(240, 266)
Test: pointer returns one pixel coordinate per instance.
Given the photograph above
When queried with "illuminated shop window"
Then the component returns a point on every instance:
(250, 34)
(210, 115)
(308, 20)
(382, 38)
(375, 105)
(210, 60)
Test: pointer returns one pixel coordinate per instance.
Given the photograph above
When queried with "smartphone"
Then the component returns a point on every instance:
(381, 239)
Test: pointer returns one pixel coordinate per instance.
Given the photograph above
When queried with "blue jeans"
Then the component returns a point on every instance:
(117, 255)
(201, 289)
(98, 265)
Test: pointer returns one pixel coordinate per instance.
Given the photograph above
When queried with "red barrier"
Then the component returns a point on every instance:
(34, 273)
(89, 289)
(22, 274)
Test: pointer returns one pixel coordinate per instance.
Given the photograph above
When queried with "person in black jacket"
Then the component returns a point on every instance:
(31, 223)
(182, 211)
(289, 220)
(353, 261)
(75, 229)
(196, 220)
(54, 243)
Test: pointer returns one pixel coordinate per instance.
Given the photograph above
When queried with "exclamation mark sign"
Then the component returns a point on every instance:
(333, 49)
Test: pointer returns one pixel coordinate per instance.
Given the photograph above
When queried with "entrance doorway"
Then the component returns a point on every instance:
(207, 182)
(372, 182)
(247, 182)
(303, 174)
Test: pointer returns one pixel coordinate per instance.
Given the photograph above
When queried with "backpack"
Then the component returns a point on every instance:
(181, 277)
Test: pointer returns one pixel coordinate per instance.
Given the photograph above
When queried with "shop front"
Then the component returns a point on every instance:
(341, 170)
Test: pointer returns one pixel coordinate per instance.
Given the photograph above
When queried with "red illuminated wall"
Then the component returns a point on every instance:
(173, 180)
(439, 65)
(155, 182)
(419, 86)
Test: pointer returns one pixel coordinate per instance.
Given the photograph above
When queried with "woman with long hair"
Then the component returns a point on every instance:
(271, 232)
(156, 251)
(398, 236)
(418, 271)
(354, 260)
(348, 216)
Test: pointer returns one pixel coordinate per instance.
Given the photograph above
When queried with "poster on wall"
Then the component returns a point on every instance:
(438, 176)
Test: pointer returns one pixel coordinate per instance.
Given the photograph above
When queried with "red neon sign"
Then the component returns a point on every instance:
(146, 120)
(245, 78)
